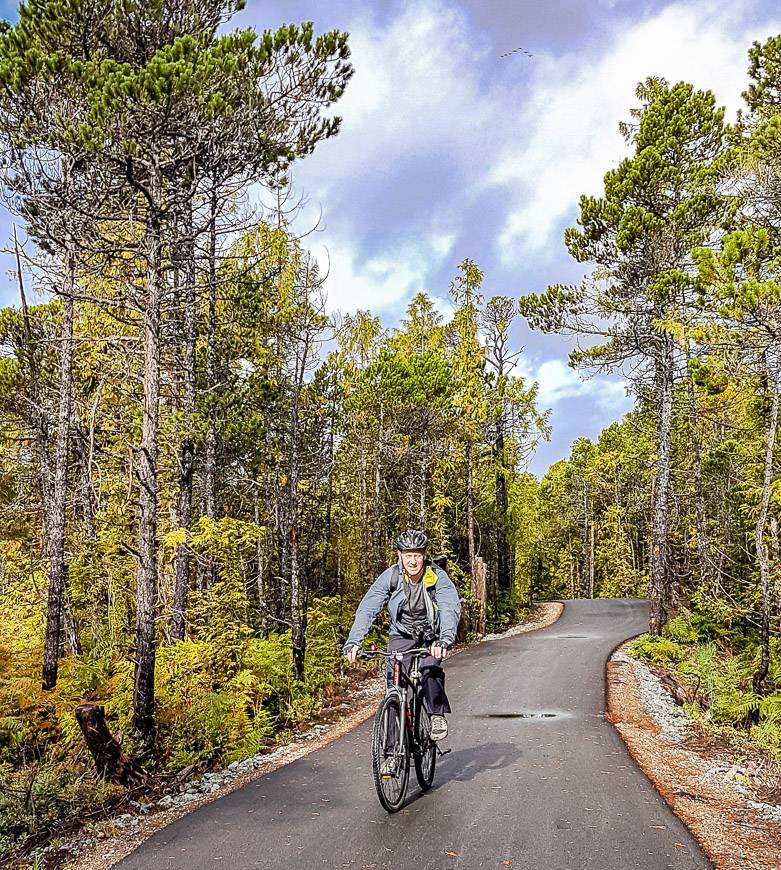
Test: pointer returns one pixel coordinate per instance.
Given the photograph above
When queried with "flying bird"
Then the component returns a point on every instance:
(508, 53)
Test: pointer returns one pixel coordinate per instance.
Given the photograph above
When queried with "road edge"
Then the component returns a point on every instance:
(731, 834)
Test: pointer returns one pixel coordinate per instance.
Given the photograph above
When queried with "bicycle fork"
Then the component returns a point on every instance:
(401, 724)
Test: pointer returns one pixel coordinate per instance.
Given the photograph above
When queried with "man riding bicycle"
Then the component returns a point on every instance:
(424, 610)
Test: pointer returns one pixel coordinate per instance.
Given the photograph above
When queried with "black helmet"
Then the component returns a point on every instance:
(412, 539)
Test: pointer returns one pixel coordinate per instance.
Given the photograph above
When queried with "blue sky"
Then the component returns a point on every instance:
(449, 150)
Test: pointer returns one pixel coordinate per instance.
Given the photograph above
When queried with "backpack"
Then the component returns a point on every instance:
(439, 561)
(395, 578)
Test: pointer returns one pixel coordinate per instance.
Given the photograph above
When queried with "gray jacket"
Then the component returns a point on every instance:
(379, 595)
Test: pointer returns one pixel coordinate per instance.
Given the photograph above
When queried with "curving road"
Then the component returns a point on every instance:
(558, 792)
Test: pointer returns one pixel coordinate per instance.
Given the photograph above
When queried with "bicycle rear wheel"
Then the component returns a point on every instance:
(425, 754)
(390, 755)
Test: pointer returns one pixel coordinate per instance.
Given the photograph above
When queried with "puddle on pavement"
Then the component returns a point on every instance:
(517, 715)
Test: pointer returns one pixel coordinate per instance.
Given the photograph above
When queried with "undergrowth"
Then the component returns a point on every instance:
(218, 701)
(716, 663)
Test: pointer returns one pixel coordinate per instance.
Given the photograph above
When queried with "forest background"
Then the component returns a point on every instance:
(201, 470)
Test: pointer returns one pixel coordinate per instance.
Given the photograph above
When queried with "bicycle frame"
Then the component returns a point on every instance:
(408, 687)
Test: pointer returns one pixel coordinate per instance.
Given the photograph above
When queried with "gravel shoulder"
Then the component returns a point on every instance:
(101, 845)
(727, 797)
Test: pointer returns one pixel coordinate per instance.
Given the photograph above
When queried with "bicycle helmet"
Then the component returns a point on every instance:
(412, 539)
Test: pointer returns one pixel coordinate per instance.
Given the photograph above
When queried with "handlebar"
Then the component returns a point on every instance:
(367, 654)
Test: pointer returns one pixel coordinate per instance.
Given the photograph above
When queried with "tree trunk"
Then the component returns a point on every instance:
(703, 554)
(55, 604)
(187, 446)
(85, 499)
(297, 611)
(329, 501)
(210, 441)
(480, 589)
(502, 549)
(591, 564)
(584, 537)
(376, 530)
(470, 510)
(760, 674)
(775, 559)
(297, 616)
(659, 579)
(146, 472)
(261, 569)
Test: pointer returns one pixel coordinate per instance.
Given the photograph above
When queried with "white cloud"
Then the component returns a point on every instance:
(415, 95)
(416, 90)
(430, 92)
(558, 382)
(575, 108)
(377, 284)
(383, 282)
(445, 307)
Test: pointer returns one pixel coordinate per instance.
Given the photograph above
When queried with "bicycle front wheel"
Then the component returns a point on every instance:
(390, 754)
(425, 749)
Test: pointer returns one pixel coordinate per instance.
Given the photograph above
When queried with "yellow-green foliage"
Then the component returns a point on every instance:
(613, 558)
(767, 733)
(197, 722)
(659, 651)
(681, 629)
(228, 542)
(323, 658)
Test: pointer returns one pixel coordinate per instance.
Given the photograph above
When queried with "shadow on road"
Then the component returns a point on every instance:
(463, 765)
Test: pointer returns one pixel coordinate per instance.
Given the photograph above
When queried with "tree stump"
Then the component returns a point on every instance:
(111, 762)
(479, 590)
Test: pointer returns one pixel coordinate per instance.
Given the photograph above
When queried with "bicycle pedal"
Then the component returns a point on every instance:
(443, 751)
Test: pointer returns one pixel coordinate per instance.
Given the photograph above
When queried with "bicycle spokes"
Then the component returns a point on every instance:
(390, 754)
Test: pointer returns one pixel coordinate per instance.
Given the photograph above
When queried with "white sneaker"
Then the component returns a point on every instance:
(388, 767)
(438, 727)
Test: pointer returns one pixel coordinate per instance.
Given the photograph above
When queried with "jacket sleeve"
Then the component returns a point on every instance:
(449, 608)
(373, 601)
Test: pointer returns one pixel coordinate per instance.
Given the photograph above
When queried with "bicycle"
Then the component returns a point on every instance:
(402, 727)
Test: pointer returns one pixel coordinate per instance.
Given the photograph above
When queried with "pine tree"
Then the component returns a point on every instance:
(657, 205)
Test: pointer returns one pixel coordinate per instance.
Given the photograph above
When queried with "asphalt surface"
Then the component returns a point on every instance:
(558, 792)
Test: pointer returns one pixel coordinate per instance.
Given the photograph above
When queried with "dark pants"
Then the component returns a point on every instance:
(432, 675)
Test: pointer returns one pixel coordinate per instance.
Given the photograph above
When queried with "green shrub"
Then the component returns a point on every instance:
(681, 629)
(502, 613)
(323, 658)
(661, 651)
(302, 705)
(38, 795)
(196, 723)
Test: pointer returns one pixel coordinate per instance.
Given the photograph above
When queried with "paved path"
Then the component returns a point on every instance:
(554, 793)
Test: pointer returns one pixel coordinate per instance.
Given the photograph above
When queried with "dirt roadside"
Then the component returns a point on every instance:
(722, 794)
(101, 845)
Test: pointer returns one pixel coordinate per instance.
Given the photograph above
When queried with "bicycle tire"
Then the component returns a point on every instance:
(425, 755)
(391, 790)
